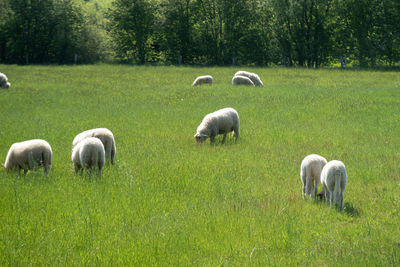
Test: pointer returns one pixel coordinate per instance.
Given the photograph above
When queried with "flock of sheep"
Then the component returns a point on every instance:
(91, 148)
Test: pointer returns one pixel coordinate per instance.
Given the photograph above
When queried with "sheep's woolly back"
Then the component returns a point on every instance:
(219, 122)
(28, 154)
(242, 80)
(334, 181)
(4, 81)
(252, 76)
(105, 136)
(203, 80)
(89, 153)
(310, 171)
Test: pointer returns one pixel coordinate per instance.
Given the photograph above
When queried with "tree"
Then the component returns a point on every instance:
(131, 25)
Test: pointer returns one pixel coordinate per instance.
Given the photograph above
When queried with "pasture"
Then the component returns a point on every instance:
(168, 201)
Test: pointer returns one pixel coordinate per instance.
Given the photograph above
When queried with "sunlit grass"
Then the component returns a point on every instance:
(168, 201)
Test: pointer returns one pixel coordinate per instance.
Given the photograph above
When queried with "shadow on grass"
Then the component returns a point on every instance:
(348, 207)
(350, 210)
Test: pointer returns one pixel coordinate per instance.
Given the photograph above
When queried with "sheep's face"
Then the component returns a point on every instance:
(200, 138)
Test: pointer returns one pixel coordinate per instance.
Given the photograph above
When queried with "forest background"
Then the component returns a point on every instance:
(309, 33)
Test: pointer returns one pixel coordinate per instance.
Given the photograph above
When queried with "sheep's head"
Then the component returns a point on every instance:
(200, 138)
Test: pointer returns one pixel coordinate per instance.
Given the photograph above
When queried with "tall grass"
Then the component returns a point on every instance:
(168, 201)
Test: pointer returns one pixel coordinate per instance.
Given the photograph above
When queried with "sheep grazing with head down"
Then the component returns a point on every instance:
(252, 76)
(4, 81)
(222, 121)
(310, 172)
(242, 80)
(88, 154)
(105, 136)
(334, 181)
(29, 155)
(206, 79)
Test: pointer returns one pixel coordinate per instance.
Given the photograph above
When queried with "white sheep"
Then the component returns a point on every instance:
(29, 155)
(222, 121)
(106, 137)
(334, 181)
(310, 172)
(4, 81)
(88, 154)
(202, 80)
(252, 76)
(241, 80)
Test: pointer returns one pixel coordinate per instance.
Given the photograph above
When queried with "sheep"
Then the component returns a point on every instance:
(222, 121)
(28, 155)
(252, 76)
(4, 81)
(88, 154)
(241, 80)
(310, 172)
(203, 79)
(334, 181)
(106, 137)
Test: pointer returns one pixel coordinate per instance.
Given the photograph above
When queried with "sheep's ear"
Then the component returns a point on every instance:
(2, 165)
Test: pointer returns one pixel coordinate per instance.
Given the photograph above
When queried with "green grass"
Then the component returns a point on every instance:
(168, 201)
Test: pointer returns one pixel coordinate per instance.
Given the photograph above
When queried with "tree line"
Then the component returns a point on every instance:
(308, 33)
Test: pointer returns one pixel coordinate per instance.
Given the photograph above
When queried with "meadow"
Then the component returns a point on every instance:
(168, 201)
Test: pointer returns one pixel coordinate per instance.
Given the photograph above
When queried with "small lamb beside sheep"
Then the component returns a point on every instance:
(222, 121)
(334, 181)
(206, 79)
(88, 154)
(4, 81)
(310, 172)
(252, 76)
(29, 155)
(105, 136)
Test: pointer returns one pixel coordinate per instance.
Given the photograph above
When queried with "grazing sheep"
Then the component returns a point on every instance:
(4, 81)
(310, 172)
(88, 154)
(222, 121)
(29, 155)
(106, 137)
(203, 79)
(334, 181)
(241, 80)
(252, 76)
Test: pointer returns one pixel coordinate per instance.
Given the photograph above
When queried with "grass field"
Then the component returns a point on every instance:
(168, 201)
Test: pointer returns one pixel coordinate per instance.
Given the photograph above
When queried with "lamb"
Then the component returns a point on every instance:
(29, 155)
(222, 121)
(88, 154)
(106, 137)
(202, 80)
(334, 181)
(241, 80)
(4, 81)
(310, 172)
(252, 76)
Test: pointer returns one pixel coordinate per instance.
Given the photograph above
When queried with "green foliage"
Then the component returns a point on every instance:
(309, 33)
(168, 201)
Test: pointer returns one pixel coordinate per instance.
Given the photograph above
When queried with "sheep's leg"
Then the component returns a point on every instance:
(303, 181)
(316, 188)
(223, 138)
(235, 132)
(308, 186)
(113, 153)
(212, 137)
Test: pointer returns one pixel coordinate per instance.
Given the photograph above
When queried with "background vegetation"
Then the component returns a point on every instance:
(207, 32)
(168, 201)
